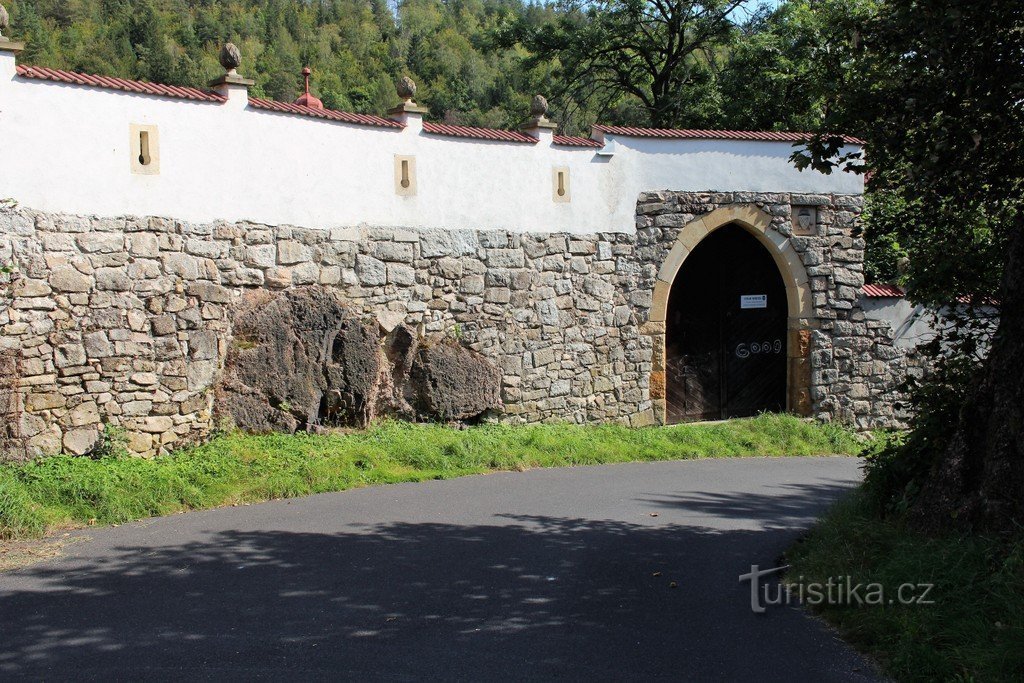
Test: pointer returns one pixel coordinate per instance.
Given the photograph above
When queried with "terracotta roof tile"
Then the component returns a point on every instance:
(477, 133)
(329, 114)
(766, 135)
(879, 291)
(197, 95)
(573, 141)
(140, 87)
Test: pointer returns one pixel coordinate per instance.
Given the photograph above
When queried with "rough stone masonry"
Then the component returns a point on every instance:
(129, 321)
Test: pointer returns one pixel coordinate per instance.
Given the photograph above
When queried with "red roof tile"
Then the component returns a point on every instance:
(877, 291)
(478, 133)
(976, 300)
(573, 141)
(329, 114)
(140, 87)
(766, 135)
(197, 95)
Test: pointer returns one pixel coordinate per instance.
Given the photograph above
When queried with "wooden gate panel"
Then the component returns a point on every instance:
(725, 338)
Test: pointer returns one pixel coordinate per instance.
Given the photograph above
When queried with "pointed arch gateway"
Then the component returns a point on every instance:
(700, 319)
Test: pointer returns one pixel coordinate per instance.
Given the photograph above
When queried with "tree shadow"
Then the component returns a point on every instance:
(526, 598)
(779, 505)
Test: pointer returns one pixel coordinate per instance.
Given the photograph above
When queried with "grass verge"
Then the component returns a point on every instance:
(59, 492)
(973, 631)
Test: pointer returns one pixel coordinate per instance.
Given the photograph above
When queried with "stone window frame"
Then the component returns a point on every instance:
(800, 318)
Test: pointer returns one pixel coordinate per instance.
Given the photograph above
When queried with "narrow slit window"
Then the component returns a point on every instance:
(144, 157)
(405, 175)
(145, 149)
(560, 184)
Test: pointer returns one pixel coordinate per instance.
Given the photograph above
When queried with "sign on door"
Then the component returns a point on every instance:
(753, 301)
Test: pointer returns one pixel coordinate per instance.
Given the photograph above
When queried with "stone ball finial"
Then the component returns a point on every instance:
(406, 88)
(539, 106)
(230, 57)
(5, 20)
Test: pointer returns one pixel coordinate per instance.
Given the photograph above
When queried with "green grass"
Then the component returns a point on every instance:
(45, 495)
(974, 631)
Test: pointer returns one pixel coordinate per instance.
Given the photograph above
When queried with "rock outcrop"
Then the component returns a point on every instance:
(298, 360)
(302, 360)
(451, 382)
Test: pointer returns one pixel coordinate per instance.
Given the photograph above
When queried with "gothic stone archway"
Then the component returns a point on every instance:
(800, 314)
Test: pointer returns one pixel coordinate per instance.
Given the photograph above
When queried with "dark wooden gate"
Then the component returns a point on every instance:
(725, 337)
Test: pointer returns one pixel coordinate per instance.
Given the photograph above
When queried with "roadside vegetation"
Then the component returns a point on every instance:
(45, 495)
(974, 628)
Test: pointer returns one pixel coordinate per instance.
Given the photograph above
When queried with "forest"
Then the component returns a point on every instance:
(740, 65)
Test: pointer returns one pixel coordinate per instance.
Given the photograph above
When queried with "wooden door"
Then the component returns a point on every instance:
(725, 350)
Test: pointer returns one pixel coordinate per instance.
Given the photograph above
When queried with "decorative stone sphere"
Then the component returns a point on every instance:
(230, 57)
(406, 88)
(5, 20)
(539, 106)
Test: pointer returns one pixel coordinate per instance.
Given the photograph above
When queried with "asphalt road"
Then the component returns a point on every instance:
(549, 574)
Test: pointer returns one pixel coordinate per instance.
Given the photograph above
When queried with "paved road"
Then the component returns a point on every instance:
(548, 574)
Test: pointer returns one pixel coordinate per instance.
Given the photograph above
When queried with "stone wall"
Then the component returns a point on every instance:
(127, 321)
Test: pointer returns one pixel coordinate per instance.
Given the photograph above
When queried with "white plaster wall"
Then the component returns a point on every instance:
(911, 324)
(66, 148)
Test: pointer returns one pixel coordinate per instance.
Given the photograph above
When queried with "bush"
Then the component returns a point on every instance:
(895, 470)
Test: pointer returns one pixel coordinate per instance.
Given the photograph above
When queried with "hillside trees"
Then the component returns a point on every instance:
(356, 48)
(716, 63)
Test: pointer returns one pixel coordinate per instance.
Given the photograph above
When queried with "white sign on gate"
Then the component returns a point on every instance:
(753, 301)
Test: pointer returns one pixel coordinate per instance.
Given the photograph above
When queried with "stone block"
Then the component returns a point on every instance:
(399, 252)
(67, 278)
(371, 271)
(80, 441)
(505, 258)
(401, 275)
(290, 252)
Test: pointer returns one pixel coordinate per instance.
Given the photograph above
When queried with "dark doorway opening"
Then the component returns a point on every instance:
(725, 334)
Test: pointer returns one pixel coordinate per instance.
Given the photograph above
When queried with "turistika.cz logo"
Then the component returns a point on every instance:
(842, 590)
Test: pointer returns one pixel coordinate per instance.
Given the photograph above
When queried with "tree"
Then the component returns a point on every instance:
(778, 72)
(937, 91)
(661, 53)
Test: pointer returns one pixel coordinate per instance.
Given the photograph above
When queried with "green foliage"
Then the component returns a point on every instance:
(659, 54)
(779, 71)
(935, 90)
(356, 48)
(113, 443)
(884, 213)
(973, 631)
(235, 468)
(477, 62)
(897, 469)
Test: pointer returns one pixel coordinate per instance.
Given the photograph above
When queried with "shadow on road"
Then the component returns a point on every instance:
(781, 505)
(527, 597)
